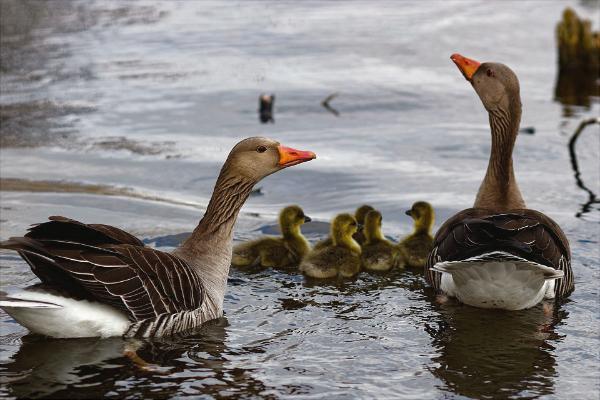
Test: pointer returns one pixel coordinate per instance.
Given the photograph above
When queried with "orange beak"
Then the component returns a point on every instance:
(467, 66)
(289, 156)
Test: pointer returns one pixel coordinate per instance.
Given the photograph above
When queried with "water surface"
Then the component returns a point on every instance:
(132, 107)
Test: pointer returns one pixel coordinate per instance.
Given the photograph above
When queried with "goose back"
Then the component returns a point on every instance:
(105, 264)
(522, 232)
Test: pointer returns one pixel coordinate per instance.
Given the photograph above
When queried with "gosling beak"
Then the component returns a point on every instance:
(408, 212)
(289, 156)
(307, 218)
(467, 66)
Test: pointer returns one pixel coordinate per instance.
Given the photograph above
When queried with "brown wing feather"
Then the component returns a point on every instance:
(526, 233)
(89, 262)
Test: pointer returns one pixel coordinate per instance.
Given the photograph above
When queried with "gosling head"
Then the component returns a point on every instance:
(495, 83)
(342, 228)
(257, 157)
(372, 228)
(361, 213)
(424, 216)
(291, 218)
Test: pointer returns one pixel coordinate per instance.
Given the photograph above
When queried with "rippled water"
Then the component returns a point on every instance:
(146, 99)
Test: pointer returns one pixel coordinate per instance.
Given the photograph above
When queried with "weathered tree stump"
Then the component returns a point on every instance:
(578, 45)
(578, 60)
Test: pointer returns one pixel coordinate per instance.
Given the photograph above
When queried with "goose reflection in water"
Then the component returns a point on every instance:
(195, 363)
(495, 353)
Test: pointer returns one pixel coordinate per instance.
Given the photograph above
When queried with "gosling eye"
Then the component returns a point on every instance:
(490, 73)
(352, 223)
(261, 149)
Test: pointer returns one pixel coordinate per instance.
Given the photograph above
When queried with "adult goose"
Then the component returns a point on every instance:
(97, 280)
(499, 254)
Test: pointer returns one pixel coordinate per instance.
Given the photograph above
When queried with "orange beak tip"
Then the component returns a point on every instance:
(289, 156)
(467, 66)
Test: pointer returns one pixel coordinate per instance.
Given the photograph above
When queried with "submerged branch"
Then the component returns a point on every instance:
(592, 198)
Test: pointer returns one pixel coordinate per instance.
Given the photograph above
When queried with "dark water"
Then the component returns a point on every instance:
(150, 96)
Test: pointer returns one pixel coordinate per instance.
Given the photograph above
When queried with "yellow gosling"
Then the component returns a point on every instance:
(339, 259)
(415, 248)
(276, 252)
(378, 253)
(359, 236)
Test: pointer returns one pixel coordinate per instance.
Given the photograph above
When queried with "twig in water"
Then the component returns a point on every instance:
(325, 103)
(592, 198)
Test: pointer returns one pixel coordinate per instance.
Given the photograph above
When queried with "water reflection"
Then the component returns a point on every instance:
(576, 89)
(75, 368)
(496, 354)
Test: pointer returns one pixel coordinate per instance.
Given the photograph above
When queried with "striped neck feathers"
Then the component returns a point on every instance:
(499, 189)
(229, 195)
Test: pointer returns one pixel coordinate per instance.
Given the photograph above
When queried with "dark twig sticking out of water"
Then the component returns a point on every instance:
(530, 130)
(325, 103)
(265, 108)
(592, 198)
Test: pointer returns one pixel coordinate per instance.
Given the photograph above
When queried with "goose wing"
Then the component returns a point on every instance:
(106, 264)
(525, 233)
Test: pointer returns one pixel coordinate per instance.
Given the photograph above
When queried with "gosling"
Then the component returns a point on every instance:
(341, 259)
(359, 236)
(414, 249)
(378, 253)
(276, 252)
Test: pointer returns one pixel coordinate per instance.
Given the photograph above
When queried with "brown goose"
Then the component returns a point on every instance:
(499, 254)
(97, 280)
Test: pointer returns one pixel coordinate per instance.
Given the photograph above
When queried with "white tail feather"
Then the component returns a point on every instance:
(62, 317)
(498, 280)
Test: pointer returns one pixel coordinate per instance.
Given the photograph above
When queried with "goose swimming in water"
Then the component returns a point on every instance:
(415, 248)
(340, 259)
(378, 253)
(499, 254)
(359, 236)
(97, 280)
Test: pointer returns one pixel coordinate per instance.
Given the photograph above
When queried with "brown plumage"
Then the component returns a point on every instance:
(106, 264)
(526, 233)
(499, 221)
(161, 293)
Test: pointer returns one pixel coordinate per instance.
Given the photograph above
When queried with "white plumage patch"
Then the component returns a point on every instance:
(498, 280)
(62, 317)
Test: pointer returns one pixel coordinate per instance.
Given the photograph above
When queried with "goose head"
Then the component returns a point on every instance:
(372, 228)
(342, 228)
(257, 157)
(496, 84)
(423, 215)
(291, 218)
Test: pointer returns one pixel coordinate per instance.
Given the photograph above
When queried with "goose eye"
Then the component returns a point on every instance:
(261, 149)
(490, 73)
